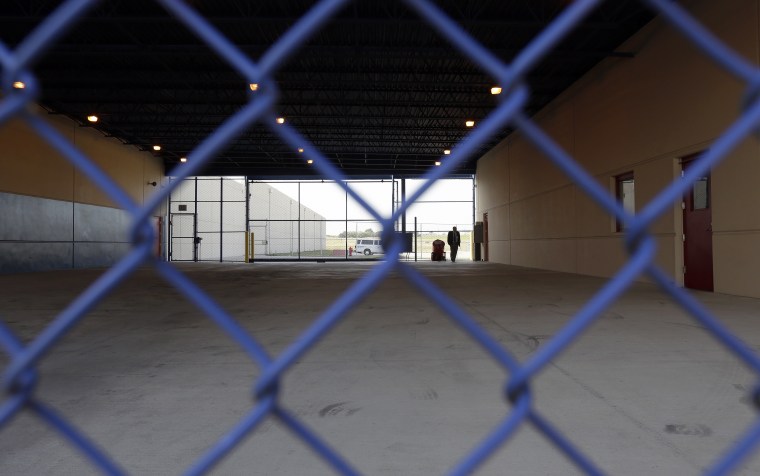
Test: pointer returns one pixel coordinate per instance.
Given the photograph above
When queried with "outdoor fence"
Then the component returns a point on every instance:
(207, 220)
(21, 372)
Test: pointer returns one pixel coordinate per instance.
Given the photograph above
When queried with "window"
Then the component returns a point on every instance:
(700, 194)
(625, 193)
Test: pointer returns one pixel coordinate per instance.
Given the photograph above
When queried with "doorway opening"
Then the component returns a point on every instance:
(697, 230)
(241, 219)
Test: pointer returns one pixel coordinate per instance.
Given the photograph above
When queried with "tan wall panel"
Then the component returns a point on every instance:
(153, 171)
(531, 170)
(641, 114)
(651, 179)
(499, 252)
(736, 190)
(606, 256)
(736, 258)
(121, 163)
(601, 256)
(666, 259)
(30, 166)
(492, 194)
(664, 98)
(591, 219)
(556, 255)
(549, 215)
(499, 221)
(498, 234)
(493, 175)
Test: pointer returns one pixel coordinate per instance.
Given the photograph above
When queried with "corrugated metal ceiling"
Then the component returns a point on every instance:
(377, 89)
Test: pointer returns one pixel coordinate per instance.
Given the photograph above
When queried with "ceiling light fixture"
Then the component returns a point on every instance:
(300, 150)
(496, 90)
(156, 148)
(254, 86)
(280, 120)
(469, 123)
(309, 161)
(447, 152)
(92, 118)
(437, 163)
(183, 159)
(19, 85)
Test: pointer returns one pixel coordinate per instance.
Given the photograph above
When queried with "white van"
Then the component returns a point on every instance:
(368, 246)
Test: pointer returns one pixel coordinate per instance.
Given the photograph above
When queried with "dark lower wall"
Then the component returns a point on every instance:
(39, 234)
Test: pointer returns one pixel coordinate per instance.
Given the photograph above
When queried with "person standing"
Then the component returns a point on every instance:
(454, 242)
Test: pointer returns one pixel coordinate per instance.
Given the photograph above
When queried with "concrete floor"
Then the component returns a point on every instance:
(396, 388)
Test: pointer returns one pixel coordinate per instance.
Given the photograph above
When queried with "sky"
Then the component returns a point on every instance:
(447, 203)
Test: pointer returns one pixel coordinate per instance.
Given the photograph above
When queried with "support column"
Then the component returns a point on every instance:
(403, 202)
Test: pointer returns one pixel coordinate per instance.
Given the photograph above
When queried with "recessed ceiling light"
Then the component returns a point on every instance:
(309, 161)
(446, 152)
(495, 90)
(156, 147)
(469, 123)
(254, 86)
(183, 159)
(92, 118)
(300, 150)
(437, 163)
(19, 85)
(280, 120)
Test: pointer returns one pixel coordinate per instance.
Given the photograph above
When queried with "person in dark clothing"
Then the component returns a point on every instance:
(454, 242)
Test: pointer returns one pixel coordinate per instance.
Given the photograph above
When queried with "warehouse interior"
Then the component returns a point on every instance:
(387, 372)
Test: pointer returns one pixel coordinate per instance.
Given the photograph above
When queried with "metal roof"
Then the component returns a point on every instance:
(377, 90)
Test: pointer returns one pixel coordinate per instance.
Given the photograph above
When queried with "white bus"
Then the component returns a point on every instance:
(368, 246)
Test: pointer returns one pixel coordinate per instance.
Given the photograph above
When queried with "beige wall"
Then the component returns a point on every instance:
(641, 115)
(31, 167)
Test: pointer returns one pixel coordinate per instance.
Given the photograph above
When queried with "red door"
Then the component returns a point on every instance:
(697, 228)
(158, 225)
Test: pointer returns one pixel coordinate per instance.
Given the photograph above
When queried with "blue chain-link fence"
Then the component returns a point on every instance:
(19, 377)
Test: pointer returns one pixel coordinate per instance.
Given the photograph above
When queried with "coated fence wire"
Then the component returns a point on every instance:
(20, 375)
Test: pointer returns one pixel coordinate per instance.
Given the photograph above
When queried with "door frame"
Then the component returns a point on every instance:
(194, 236)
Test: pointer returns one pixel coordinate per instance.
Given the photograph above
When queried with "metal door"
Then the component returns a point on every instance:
(183, 237)
(259, 231)
(485, 236)
(697, 228)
